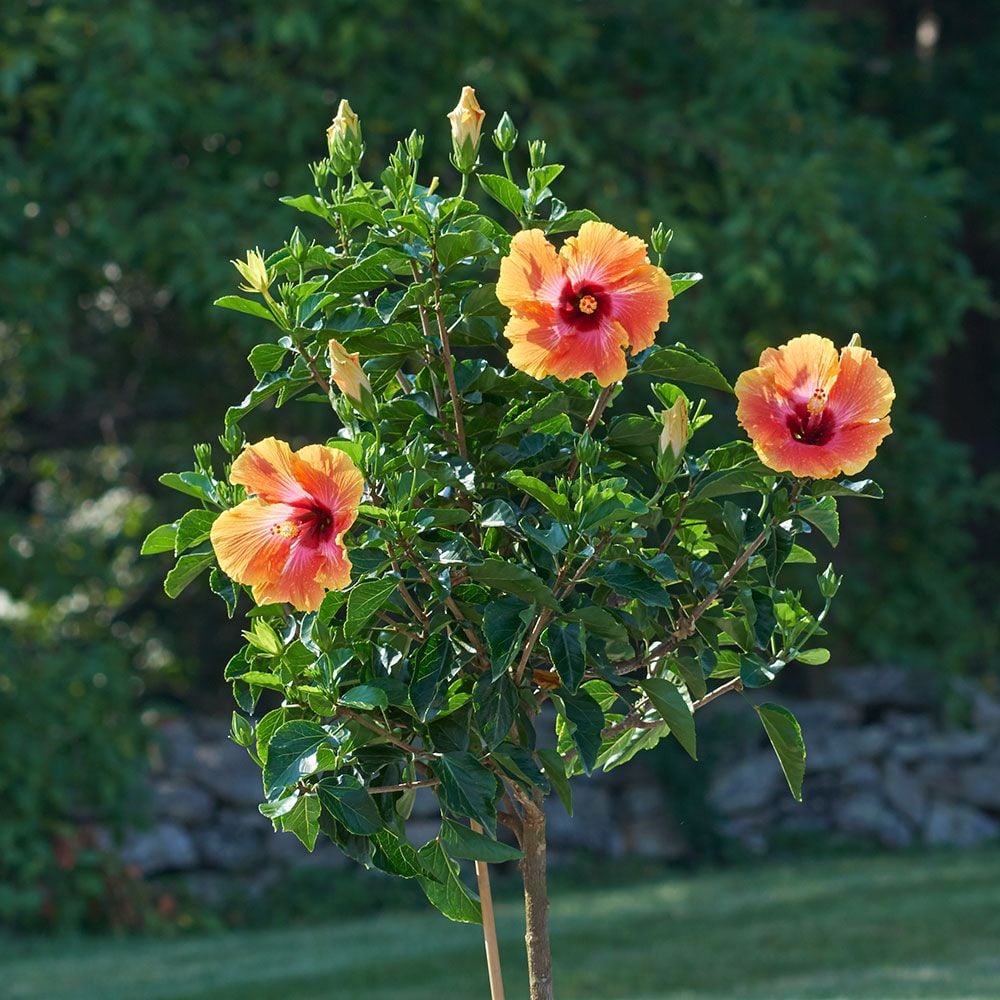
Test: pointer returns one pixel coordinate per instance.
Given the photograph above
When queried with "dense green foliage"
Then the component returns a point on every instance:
(142, 145)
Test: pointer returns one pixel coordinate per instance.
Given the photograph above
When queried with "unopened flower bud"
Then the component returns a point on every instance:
(466, 130)
(536, 152)
(346, 372)
(505, 135)
(417, 453)
(588, 451)
(673, 438)
(659, 238)
(343, 140)
(298, 246)
(415, 145)
(254, 272)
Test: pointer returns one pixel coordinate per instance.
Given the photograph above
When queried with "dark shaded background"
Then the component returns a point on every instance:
(828, 166)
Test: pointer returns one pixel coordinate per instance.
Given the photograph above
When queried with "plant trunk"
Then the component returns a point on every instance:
(536, 901)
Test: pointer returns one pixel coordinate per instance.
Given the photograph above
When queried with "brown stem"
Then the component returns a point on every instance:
(347, 713)
(426, 327)
(449, 368)
(404, 787)
(595, 415)
(536, 899)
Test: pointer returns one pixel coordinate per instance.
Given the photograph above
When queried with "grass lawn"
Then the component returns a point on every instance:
(864, 928)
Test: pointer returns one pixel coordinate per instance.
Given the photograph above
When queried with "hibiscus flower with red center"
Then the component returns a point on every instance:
(813, 413)
(286, 541)
(580, 309)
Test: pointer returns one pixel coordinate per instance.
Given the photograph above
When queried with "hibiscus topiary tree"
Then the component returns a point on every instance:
(484, 581)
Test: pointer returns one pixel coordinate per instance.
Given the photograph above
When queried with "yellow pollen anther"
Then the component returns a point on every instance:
(587, 305)
(288, 529)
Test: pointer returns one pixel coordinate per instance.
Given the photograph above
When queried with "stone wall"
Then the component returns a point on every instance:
(879, 767)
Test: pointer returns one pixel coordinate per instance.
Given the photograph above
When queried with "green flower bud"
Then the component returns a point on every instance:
(536, 150)
(659, 238)
(343, 141)
(505, 135)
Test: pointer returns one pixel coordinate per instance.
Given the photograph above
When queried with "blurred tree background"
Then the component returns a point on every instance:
(828, 166)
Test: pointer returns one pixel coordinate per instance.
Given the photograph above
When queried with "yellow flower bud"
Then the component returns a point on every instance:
(254, 272)
(676, 429)
(466, 128)
(345, 369)
(346, 125)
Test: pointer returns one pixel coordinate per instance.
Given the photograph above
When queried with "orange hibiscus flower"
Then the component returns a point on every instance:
(812, 413)
(579, 310)
(286, 542)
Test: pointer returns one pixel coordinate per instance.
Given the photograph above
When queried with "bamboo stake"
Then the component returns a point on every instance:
(489, 925)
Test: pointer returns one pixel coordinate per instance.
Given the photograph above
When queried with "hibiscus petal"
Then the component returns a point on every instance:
(602, 255)
(532, 272)
(267, 469)
(333, 479)
(863, 390)
(854, 446)
(802, 365)
(297, 583)
(247, 543)
(640, 303)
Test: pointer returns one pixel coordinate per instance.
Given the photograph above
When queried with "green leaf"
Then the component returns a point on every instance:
(194, 527)
(462, 842)
(303, 820)
(673, 708)
(350, 805)
(502, 191)
(297, 749)
(430, 669)
(185, 570)
(194, 484)
(813, 657)
(248, 306)
(455, 247)
(364, 600)
(223, 587)
(680, 364)
(503, 626)
(266, 358)
(445, 889)
(467, 787)
(587, 721)
(629, 581)
(270, 384)
(756, 672)
(160, 539)
(513, 579)
(823, 514)
(240, 730)
(397, 856)
(308, 203)
(565, 644)
(544, 494)
(848, 488)
(358, 278)
(263, 679)
(364, 697)
(571, 221)
(555, 770)
(682, 282)
(785, 734)
(494, 702)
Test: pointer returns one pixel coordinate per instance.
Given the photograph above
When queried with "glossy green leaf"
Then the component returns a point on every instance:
(785, 734)
(675, 711)
(350, 805)
(460, 841)
(296, 750)
(566, 646)
(365, 600)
